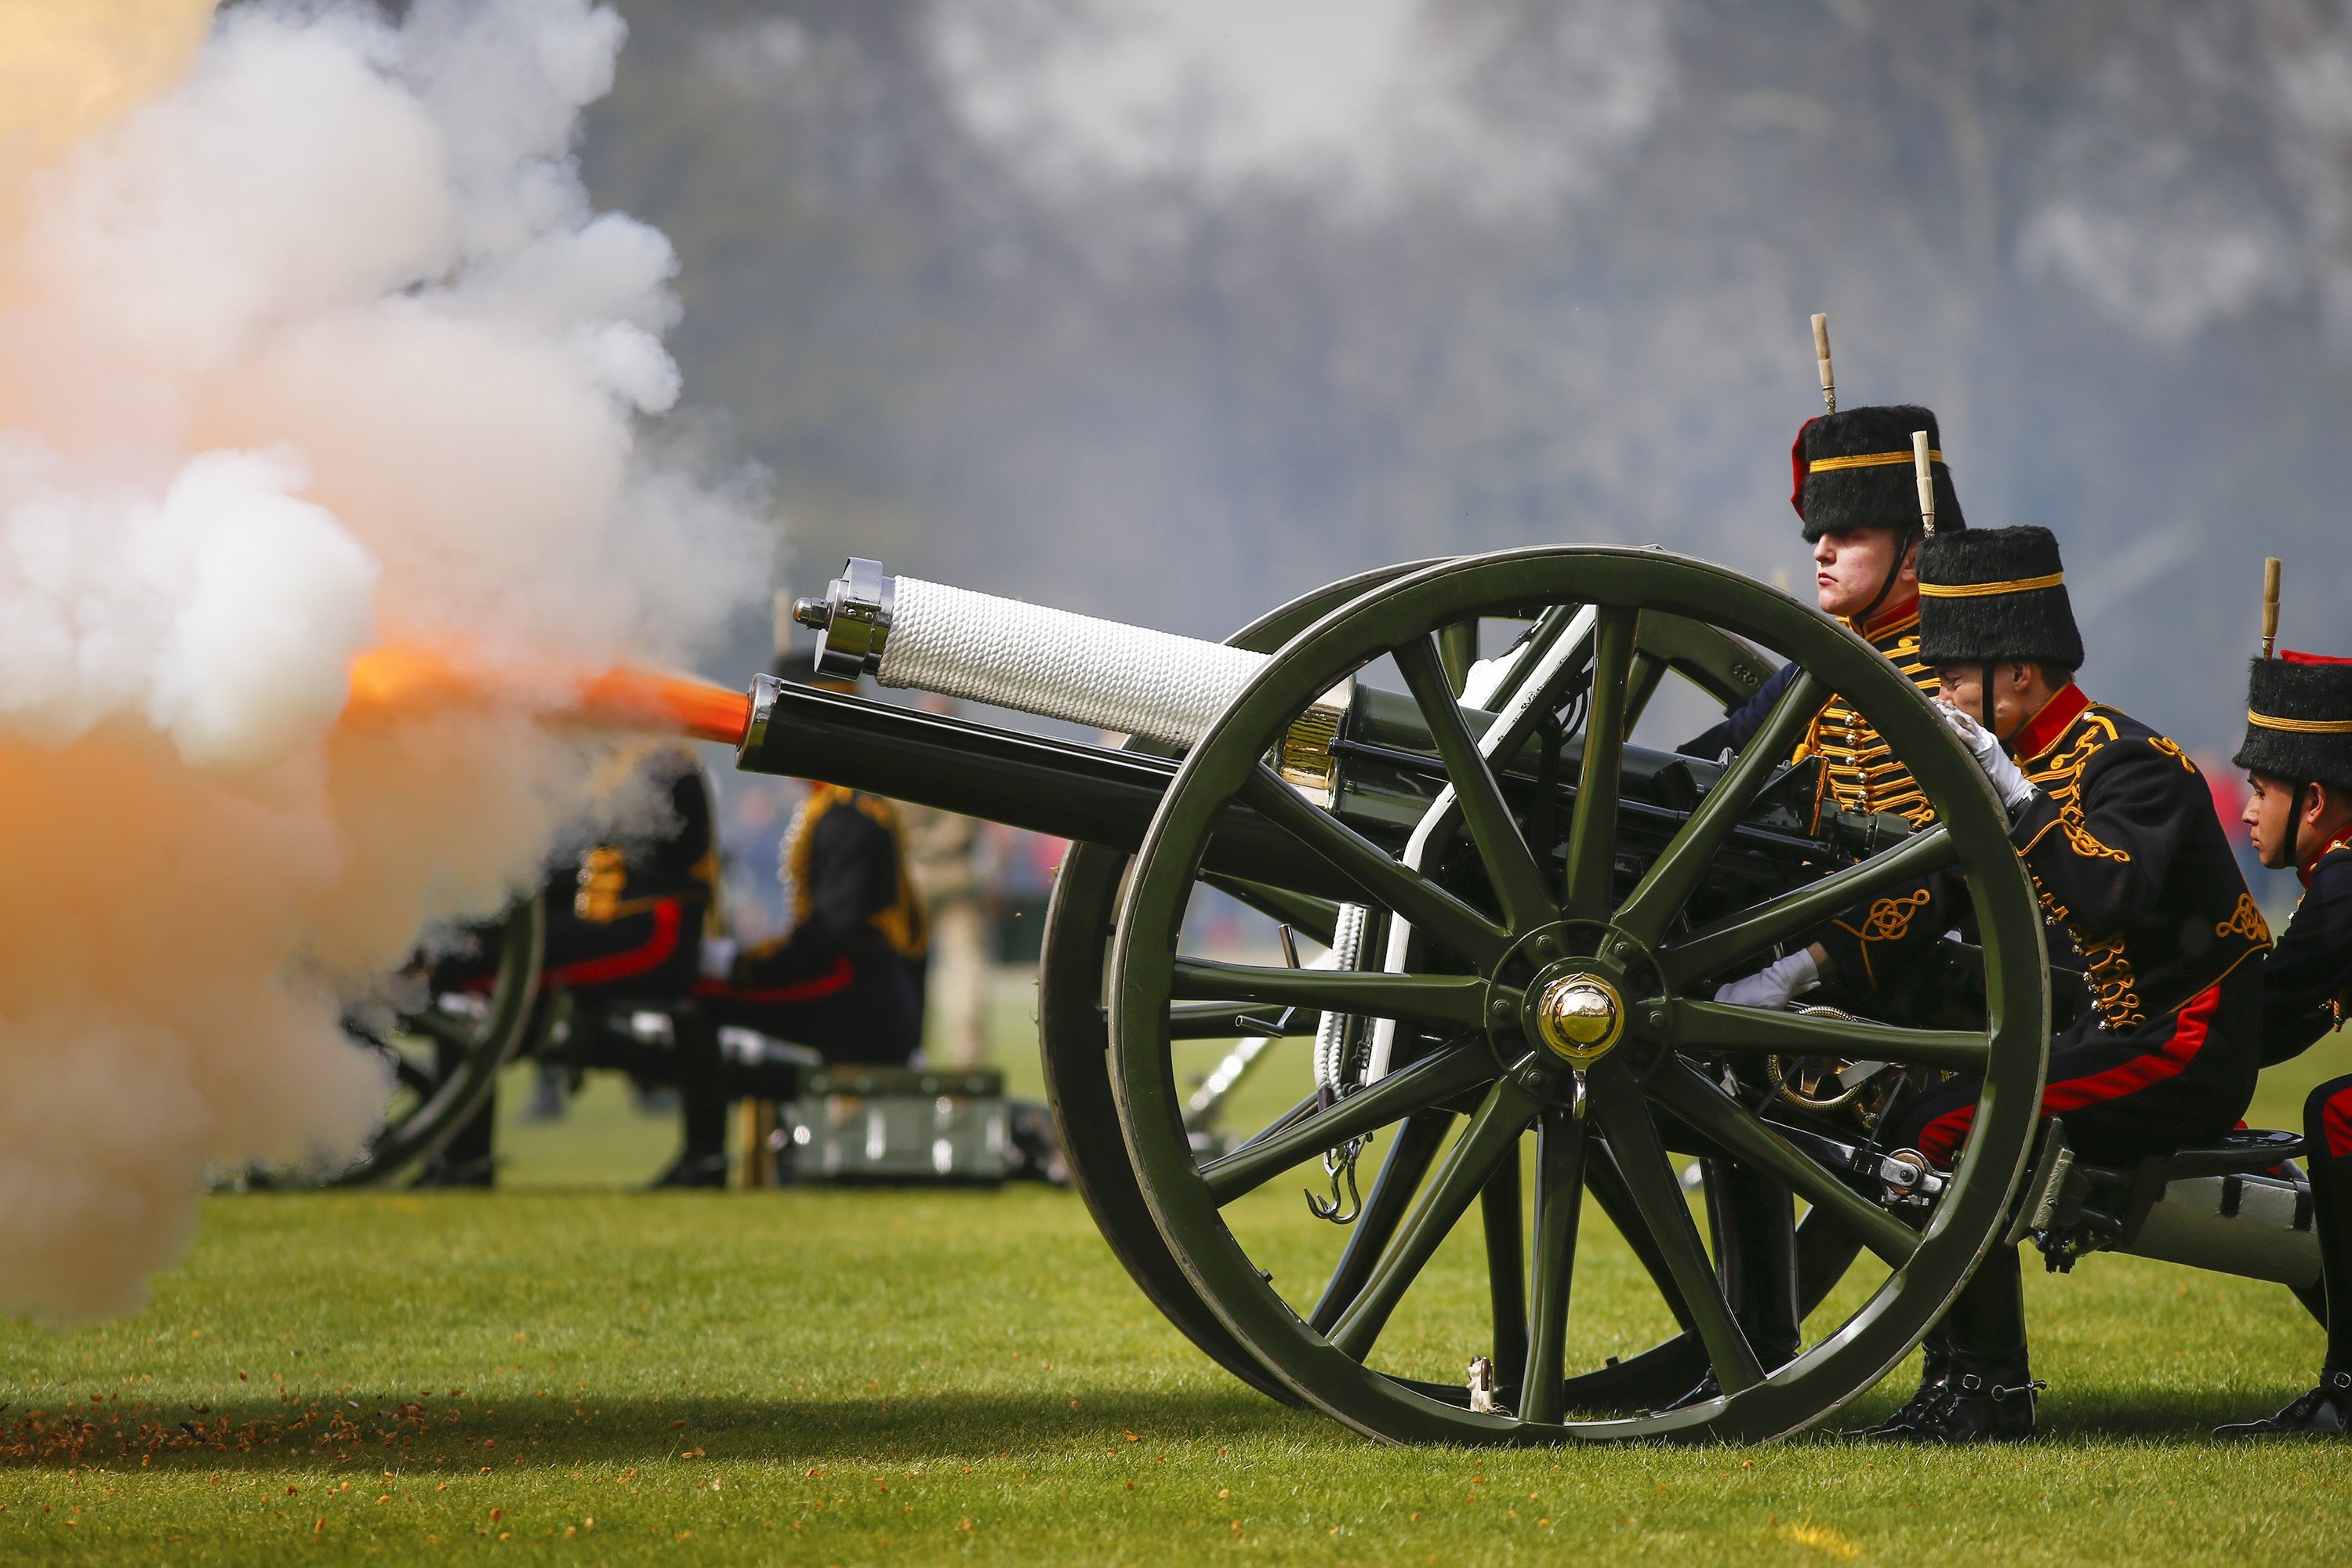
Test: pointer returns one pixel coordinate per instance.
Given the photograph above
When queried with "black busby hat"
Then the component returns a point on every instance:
(1852, 470)
(2299, 720)
(1995, 595)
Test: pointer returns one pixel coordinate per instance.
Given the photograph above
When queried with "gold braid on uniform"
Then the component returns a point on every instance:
(2115, 987)
(2245, 921)
(2113, 983)
(2062, 780)
(1859, 771)
(903, 925)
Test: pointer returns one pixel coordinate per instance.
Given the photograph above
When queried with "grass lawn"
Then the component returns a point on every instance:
(567, 1373)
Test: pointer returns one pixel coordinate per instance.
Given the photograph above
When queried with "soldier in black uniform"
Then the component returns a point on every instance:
(627, 920)
(1855, 494)
(2119, 834)
(847, 979)
(2298, 757)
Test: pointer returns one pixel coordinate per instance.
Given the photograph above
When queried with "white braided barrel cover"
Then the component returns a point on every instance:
(976, 645)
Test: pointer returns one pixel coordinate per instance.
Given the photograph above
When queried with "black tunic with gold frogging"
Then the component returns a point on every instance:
(2130, 858)
(1860, 773)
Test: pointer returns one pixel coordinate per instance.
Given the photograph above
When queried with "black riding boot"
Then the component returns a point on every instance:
(1934, 1376)
(1758, 1218)
(1989, 1393)
(2326, 1410)
(702, 1104)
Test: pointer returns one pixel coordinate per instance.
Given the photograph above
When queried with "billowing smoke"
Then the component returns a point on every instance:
(310, 338)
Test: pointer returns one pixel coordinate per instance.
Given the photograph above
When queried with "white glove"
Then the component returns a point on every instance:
(1770, 987)
(718, 957)
(2009, 780)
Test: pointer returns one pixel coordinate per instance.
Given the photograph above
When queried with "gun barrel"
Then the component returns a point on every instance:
(1063, 788)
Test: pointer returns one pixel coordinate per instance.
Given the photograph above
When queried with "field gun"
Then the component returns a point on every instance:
(1525, 916)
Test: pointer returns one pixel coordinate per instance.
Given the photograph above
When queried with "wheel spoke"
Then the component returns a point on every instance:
(1317, 918)
(1442, 1001)
(1560, 1202)
(1592, 832)
(1429, 907)
(1506, 1270)
(414, 1077)
(1735, 937)
(1707, 1026)
(1756, 1146)
(435, 1025)
(1414, 1149)
(1492, 1137)
(1426, 1083)
(1675, 874)
(1519, 883)
(1641, 1159)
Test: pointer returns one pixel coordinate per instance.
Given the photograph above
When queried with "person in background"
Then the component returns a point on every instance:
(2298, 757)
(847, 979)
(627, 918)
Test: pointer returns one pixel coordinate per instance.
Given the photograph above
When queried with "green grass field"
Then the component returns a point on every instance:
(568, 1373)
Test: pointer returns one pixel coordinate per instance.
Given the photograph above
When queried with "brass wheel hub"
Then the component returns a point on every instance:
(1580, 1016)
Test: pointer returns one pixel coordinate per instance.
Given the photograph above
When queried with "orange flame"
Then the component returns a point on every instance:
(407, 678)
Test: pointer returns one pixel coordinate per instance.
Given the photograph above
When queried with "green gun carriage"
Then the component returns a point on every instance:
(1524, 919)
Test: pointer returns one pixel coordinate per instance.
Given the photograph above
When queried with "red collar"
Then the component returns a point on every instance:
(2311, 862)
(2042, 731)
(1886, 623)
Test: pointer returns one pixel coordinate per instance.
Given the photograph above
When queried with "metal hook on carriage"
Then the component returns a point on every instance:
(1338, 1164)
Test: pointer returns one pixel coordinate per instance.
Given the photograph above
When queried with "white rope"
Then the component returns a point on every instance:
(1332, 1034)
(1158, 685)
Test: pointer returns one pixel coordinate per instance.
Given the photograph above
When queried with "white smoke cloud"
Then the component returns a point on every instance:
(321, 343)
(1499, 104)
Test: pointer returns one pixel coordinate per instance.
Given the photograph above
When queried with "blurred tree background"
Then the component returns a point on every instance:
(1167, 308)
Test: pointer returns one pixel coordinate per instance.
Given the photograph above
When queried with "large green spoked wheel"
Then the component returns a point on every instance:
(1074, 1040)
(430, 1100)
(1564, 1002)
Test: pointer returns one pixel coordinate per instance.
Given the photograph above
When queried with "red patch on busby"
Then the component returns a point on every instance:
(1797, 468)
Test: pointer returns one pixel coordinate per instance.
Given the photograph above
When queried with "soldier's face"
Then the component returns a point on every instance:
(2278, 831)
(2017, 693)
(1850, 566)
(2268, 802)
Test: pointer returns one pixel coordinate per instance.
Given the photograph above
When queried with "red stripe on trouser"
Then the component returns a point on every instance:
(2336, 1124)
(836, 979)
(1942, 1137)
(644, 958)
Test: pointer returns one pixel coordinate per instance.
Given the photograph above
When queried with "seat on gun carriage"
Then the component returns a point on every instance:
(2237, 1204)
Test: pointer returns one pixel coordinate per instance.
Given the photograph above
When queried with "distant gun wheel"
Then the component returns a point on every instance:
(1561, 1000)
(436, 1091)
